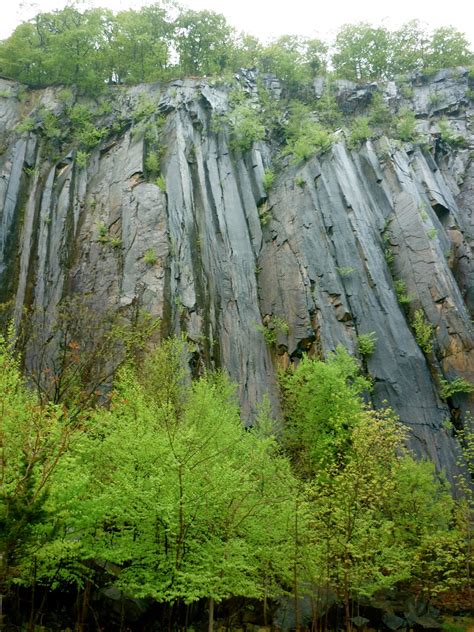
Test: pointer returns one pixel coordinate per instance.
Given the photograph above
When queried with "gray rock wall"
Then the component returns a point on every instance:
(230, 258)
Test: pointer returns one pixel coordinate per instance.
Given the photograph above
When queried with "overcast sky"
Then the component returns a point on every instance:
(271, 18)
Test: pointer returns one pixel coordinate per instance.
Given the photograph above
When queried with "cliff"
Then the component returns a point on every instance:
(317, 260)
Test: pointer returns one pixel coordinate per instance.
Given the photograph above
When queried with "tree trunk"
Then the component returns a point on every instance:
(211, 615)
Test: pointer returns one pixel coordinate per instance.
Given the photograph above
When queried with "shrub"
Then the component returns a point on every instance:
(305, 136)
(401, 292)
(150, 257)
(457, 385)
(115, 242)
(26, 125)
(161, 183)
(268, 180)
(366, 344)
(103, 233)
(449, 136)
(345, 271)
(272, 330)
(423, 332)
(81, 159)
(360, 131)
(246, 127)
(152, 163)
(405, 126)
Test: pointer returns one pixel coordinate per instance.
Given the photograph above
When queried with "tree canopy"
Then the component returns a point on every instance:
(161, 41)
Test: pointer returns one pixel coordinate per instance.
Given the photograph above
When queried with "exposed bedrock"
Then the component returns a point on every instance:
(217, 257)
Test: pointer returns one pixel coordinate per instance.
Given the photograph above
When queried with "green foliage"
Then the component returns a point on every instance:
(322, 403)
(275, 327)
(82, 158)
(448, 48)
(361, 52)
(204, 42)
(432, 233)
(115, 242)
(366, 344)
(83, 128)
(163, 40)
(152, 163)
(401, 291)
(449, 136)
(161, 183)
(359, 132)
(246, 126)
(379, 113)
(268, 180)
(34, 440)
(170, 487)
(405, 126)
(423, 332)
(26, 125)
(150, 257)
(102, 233)
(454, 386)
(345, 271)
(305, 136)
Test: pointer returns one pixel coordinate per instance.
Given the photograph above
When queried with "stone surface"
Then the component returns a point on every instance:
(318, 262)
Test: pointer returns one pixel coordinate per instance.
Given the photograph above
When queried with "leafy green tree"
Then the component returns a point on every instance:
(409, 48)
(204, 41)
(140, 44)
(42, 43)
(294, 60)
(448, 48)
(175, 492)
(34, 441)
(361, 52)
(322, 403)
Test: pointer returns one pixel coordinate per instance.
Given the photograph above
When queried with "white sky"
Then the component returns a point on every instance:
(271, 18)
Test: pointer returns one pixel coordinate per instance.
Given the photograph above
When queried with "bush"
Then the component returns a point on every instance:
(423, 332)
(246, 126)
(360, 131)
(305, 136)
(150, 257)
(401, 292)
(268, 180)
(26, 125)
(81, 159)
(449, 136)
(366, 344)
(152, 163)
(457, 385)
(405, 126)
(161, 183)
(273, 329)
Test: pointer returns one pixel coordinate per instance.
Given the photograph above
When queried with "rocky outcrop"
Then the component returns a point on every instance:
(320, 252)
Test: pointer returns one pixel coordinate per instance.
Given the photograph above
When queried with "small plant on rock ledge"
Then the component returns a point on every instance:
(401, 291)
(366, 344)
(150, 257)
(268, 180)
(272, 329)
(345, 271)
(161, 183)
(457, 385)
(103, 233)
(423, 332)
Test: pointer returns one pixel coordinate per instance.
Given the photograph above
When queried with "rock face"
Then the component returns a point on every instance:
(217, 257)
